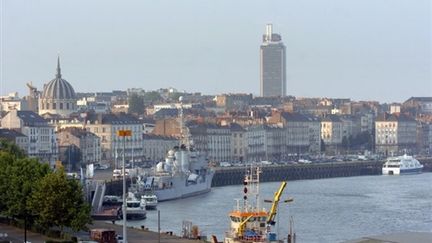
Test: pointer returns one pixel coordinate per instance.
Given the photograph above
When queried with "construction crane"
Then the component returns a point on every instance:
(275, 201)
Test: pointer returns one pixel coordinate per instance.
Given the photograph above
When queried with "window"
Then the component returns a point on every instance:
(67, 106)
(54, 106)
(61, 106)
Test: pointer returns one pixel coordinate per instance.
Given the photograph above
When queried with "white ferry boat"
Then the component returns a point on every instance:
(401, 165)
(151, 200)
(135, 209)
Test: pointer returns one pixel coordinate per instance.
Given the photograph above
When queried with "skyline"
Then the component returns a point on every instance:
(213, 47)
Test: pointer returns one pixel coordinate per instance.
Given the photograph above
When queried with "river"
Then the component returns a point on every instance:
(324, 210)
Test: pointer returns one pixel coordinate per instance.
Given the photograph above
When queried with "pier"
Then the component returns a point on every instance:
(225, 176)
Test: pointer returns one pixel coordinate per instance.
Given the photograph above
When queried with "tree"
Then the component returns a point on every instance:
(11, 148)
(23, 173)
(151, 97)
(58, 201)
(136, 104)
(175, 96)
(18, 175)
(6, 160)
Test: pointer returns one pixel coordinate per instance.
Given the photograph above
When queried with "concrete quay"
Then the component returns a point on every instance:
(234, 175)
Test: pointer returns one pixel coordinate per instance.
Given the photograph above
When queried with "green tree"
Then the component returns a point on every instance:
(6, 160)
(136, 104)
(151, 97)
(59, 201)
(175, 96)
(11, 148)
(23, 175)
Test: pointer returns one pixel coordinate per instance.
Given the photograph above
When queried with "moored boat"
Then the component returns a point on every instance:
(250, 223)
(184, 173)
(150, 199)
(135, 209)
(401, 165)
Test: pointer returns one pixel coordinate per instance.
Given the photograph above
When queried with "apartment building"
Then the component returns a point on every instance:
(42, 140)
(106, 126)
(395, 133)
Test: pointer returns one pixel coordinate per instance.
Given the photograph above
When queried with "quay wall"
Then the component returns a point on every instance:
(225, 176)
(234, 175)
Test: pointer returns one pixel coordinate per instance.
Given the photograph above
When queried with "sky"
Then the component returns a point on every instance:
(360, 49)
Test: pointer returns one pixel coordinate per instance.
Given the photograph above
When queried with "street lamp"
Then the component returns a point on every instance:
(124, 134)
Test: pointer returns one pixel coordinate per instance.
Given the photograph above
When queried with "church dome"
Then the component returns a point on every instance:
(58, 88)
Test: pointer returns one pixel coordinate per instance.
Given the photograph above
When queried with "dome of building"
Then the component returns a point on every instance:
(58, 96)
(58, 88)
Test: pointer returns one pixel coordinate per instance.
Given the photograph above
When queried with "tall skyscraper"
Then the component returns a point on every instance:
(273, 70)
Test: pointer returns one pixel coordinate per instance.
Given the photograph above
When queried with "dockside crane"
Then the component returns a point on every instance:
(275, 203)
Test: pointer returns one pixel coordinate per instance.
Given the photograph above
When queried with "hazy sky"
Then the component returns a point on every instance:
(363, 49)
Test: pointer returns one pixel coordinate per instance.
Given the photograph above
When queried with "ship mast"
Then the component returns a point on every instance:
(184, 133)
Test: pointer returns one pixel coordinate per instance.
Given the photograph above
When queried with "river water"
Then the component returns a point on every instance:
(324, 210)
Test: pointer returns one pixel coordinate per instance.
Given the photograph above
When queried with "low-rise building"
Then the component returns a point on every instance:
(106, 126)
(15, 137)
(41, 136)
(332, 132)
(87, 143)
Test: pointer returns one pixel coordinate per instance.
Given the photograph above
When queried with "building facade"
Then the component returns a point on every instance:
(88, 144)
(15, 137)
(42, 140)
(156, 147)
(332, 132)
(105, 126)
(395, 134)
(58, 96)
(272, 65)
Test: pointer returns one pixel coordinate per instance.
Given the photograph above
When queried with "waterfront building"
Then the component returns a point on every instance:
(106, 126)
(87, 143)
(255, 141)
(332, 132)
(350, 126)
(424, 137)
(302, 132)
(156, 147)
(395, 133)
(58, 96)
(314, 133)
(238, 148)
(367, 122)
(218, 142)
(41, 135)
(275, 143)
(15, 137)
(273, 64)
